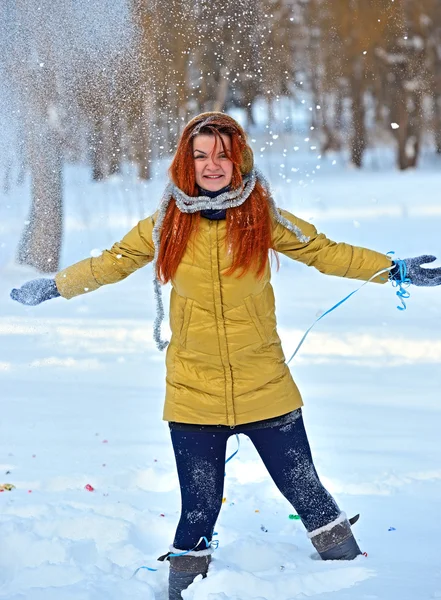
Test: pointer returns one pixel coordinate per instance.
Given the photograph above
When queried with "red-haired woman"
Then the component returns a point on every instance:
(226, 372)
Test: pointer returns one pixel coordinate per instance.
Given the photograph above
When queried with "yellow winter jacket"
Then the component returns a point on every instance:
(225, 363)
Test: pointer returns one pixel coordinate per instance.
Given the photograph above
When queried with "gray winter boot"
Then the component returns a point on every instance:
(335, 541)
(183, 571)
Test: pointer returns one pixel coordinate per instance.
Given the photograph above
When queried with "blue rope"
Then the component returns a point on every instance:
(213, 543)
(234, 453)
(333, 308)
(139, 568)
(401, 292)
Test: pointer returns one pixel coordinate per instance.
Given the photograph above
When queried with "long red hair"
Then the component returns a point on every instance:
(248, 225)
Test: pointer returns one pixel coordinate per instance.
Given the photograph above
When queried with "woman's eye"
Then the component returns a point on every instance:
(200, 156)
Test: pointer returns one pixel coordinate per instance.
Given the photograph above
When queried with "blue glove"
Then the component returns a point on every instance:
(414, 273)
(36, 291)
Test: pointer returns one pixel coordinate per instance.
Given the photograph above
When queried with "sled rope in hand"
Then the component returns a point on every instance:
(344, 300)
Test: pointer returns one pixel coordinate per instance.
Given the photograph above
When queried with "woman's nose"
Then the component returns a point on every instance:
(212, 163)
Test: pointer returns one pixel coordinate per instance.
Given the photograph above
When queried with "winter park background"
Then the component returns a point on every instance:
(91, 101)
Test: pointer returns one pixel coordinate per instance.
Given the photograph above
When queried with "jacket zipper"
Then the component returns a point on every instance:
(220, 325)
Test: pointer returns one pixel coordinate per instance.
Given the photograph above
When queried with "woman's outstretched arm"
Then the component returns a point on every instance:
(344, 260)
(134, 251)
(332, 258)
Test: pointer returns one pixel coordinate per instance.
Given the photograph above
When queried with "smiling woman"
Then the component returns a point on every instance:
(226, 372)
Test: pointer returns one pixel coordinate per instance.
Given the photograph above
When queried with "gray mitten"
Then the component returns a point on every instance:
(414, 272)
(36, 291)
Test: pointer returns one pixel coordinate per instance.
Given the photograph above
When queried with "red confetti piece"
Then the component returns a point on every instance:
(29, 491)
(365, 554)
(89, 488)
(161, 515)
(105, 441)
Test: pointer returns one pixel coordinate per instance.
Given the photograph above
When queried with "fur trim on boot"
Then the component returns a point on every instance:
(335, 541)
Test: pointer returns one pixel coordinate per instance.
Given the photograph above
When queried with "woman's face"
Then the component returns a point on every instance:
(213, 169)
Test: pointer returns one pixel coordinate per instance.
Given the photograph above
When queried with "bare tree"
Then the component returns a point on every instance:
(41, 240)
(404, 53)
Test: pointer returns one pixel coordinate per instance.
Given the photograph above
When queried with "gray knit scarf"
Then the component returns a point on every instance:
(192, 204)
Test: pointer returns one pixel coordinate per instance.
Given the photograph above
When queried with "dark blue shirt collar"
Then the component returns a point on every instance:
(213, 214)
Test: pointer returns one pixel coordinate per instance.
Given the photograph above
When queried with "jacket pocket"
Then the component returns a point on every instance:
(185, 322)
(249, 303)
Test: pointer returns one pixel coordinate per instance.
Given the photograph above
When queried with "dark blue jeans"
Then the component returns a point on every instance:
(284, 449)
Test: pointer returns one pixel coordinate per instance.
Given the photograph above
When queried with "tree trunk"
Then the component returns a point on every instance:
(249, 115)
(338, 119)
(142, 146)
(358, 141)
(222, 91)
(330, 133)
(402, 122)
(413, 143)
(409, 131)
(115, 144)
(40, 244)
(270, 109)
(97, 148)
(437, 123)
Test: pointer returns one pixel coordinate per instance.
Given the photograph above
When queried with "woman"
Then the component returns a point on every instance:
(226, 372)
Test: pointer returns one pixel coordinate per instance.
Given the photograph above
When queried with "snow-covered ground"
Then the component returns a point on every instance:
(82, 386)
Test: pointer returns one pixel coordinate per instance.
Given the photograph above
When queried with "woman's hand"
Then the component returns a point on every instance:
(36, 291)
(415, 273)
